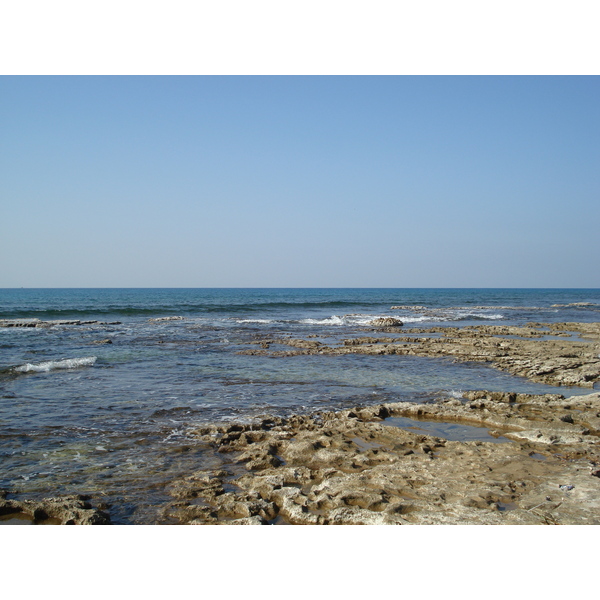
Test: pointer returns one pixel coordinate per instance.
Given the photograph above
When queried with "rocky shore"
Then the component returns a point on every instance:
(27, 323)
(553, 353)
(355, 467)
(74, 509)
(532, 459)
(542, 465)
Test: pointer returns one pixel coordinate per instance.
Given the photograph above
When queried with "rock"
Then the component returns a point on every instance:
(63, 510)
(19, 322)
(409, 307)
(256, 520)
(158, 319)
(48, 324)
(555, 360)
(353, 467)
(386, 322)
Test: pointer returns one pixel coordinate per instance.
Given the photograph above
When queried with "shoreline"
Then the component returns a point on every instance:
(352, 467)
(355, 467)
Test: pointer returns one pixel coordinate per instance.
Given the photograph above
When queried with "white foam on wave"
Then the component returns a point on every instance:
(51, 365)
(463, 315)
(343, 320)
(417, 319)
(360, 319)
(264, 321)
(446, 315)
(333, 320)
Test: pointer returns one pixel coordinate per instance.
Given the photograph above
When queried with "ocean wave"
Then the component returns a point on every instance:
(173, 307)
(51, 365)
(259, 321)
(440, 315)
(494, 307)
(478, 317)
(341, 320)
(450, 317)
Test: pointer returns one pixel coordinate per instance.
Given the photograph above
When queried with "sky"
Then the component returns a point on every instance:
(300, 181)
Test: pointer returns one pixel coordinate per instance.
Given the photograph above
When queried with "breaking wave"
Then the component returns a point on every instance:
(343, 320)
(365, 319)
(450, 315)
(51, 365)
(261, 321)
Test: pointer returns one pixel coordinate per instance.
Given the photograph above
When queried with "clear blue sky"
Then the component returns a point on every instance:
(300, 181)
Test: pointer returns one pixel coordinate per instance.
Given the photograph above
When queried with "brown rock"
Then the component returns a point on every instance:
(386, 322)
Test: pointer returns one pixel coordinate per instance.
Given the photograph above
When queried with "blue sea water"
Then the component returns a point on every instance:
(117, 420)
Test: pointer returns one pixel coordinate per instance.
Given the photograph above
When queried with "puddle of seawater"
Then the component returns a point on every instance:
(537, 456)
(363, 445)
(24, 519)
(452, 432)
(571, 336)
(15, 519)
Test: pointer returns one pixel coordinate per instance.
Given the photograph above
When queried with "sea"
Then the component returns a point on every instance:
(110, 409)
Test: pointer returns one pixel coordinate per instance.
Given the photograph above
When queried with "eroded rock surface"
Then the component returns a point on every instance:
(352, 467)
(64, 510)
(53, 323)
(386, 322)
(545, 353)
(159, 319)
(357, 467)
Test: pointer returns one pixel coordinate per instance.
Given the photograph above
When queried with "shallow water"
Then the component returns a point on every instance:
(452, 432)
(116, 420)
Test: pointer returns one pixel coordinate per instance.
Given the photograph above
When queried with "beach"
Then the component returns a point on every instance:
(381, 465)
(431, 412)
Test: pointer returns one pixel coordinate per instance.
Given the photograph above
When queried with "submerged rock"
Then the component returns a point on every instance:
(409, 307)
(157, 319)
(54, 323)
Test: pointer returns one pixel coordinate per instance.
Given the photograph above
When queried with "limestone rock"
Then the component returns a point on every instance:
(386, 322)
(159, 319)
(64, 510)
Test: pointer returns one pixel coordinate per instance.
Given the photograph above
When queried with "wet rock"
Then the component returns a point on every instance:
(39, 323)
(19, 322)
(351, 467)
(409, 307)
(160, 319)
(297, 343)
(256, 520)
(555, 361)
(48, 324)
(386, 322)
(64, 510)
(353, 516)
